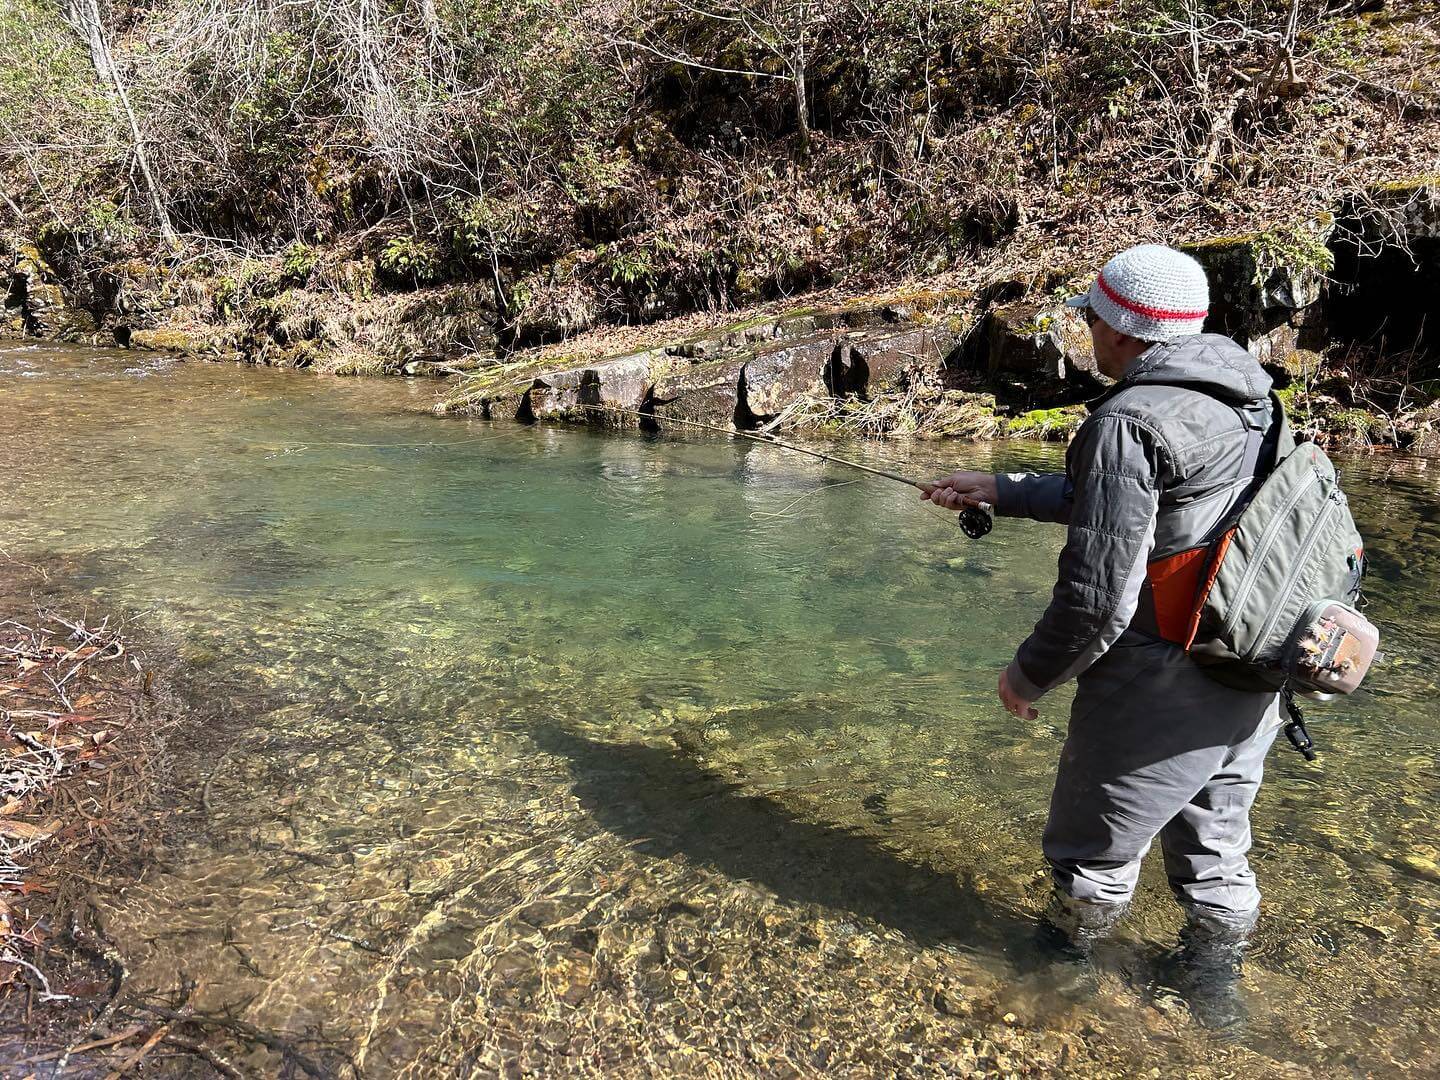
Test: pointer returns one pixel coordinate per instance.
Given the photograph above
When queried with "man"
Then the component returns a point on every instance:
(1156, 746)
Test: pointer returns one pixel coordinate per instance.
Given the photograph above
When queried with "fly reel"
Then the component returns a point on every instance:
(975, 522)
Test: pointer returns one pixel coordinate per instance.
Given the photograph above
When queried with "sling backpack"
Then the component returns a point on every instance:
(1270, 597)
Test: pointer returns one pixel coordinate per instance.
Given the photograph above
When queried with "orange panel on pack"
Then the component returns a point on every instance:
(1174, 583)
(1221, 547)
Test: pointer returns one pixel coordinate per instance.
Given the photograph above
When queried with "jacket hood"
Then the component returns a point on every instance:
(1211, 363)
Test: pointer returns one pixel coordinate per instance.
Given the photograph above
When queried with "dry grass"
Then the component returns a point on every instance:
(918, 406)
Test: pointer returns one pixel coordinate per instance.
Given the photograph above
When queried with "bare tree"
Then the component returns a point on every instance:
(84, 16)
(786, 30)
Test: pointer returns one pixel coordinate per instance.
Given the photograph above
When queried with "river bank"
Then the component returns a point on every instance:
(107, 777)
(1340, 310)
(87, 716)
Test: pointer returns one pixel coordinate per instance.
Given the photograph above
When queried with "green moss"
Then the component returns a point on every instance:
(1410, 184)
(1354, 421)
(1049, 424)
(496, 381)
(1237, 242)
(169, 340)
(1298, 249)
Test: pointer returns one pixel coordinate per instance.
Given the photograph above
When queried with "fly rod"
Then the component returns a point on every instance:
(975, 521)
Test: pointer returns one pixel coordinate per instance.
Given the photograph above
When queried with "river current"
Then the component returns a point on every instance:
(552, 751)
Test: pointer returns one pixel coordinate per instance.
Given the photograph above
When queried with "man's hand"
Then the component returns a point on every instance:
(961, 489)
(1013, 702)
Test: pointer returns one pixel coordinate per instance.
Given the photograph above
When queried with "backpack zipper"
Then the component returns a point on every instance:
(1296, 569)
(1277, 525)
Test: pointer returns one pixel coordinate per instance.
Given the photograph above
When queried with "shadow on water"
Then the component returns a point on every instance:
(670, 806)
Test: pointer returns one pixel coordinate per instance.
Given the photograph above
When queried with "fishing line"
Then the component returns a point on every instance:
(489, 437)
(784, 511)
(975, 521)
(767, 440)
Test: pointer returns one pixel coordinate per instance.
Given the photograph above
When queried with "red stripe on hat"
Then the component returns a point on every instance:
(1141, 309)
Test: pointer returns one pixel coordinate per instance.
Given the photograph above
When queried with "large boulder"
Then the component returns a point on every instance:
(1264, 287)
(1026, 340)
(1037, 343)
(743, 375)
(44, 307)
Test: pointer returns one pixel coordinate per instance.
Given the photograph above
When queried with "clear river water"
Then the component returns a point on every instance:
(550, 751)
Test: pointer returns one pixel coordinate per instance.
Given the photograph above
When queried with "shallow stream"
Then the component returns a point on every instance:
(542, 750)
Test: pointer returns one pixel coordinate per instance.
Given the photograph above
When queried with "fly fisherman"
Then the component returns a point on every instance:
(1156, 745)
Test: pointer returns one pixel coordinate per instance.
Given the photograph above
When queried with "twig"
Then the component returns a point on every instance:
(46, 994)
(128, 1033)
(139, 1055)
(199, 1049)
(250, 1031)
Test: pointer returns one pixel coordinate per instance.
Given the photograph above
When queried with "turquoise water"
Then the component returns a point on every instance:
(557, 751)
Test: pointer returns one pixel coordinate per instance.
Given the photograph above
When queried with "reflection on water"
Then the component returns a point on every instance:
(556, 751)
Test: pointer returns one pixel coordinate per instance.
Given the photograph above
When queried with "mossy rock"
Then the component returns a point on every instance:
(1027, 339)
(1409, 185)
(171, 339)
(1258, 280)
(1056, 425)
(1412, 203)
(46, 310)
(352, 360)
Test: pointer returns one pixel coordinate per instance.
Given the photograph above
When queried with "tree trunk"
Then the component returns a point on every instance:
(84, 16)
(802, 107)
(78, 14)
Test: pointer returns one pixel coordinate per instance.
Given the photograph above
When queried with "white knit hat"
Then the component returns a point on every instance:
(1150, 292)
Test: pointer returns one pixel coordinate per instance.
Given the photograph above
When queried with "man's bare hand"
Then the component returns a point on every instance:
(962, 489)
(1013, 702)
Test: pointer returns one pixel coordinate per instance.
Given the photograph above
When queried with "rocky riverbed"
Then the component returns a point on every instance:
(549, 749)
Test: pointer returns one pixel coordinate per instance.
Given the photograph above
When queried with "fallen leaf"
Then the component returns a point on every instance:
(23, 830)
(71, 718)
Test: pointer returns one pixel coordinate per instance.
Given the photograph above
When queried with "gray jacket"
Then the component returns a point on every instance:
(1153, 470)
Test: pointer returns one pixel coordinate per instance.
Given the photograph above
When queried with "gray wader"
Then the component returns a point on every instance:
(1157, 748)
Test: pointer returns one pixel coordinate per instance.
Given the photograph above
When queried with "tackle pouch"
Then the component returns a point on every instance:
(1330, 649)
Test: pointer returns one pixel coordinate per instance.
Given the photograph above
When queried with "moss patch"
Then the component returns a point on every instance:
(1048, 424)
(172, 340)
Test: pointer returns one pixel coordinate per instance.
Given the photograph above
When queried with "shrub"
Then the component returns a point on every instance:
(409, 261)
